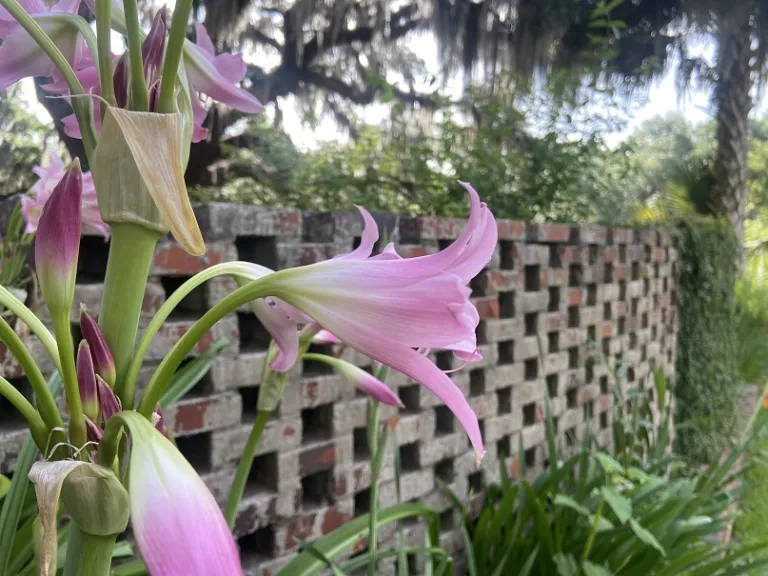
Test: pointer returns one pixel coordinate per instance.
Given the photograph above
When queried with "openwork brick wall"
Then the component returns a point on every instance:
(554, 302)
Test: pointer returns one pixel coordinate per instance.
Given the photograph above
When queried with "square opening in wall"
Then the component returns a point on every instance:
(552, 385)
(444, 471)
(262, 476)
(570, 437)
(504, 398)
(603, 420)
(533, 278)
(9, 416)
(531, 369)
(313, 368)
(529, 414)
(362, 502)
(554, 299)
(573, 317)
(253, 336)
(196, 448)
(317, 423)
(507, 352)
(476, 482)
(409, 396)
(643, 353)
(575, 274)
(606, 347)
(607, 311)
(508, 252)
(644, 320)
(591, 334)
(589, 370)
(655, 333)
(621, 325)
(444, 360)
(632, 340)
(446, 520)
(630, 374)
(360, 444)
(593, 252)
(571, 397)
(192, 305)
(249, 398)
(635, 270)
(530, 457)
(554, 256)
(656, 270)
(93, 268)
(507, 304)
(573, 357)
(531, 323)
(623, 253)
(646, 287)
(553, 342)
(591, 294)
(257, 545)
(316, 489)
(607, 273)
(622, 290)
(635, 306)
(409, 457)
(603, 384)
(503, 448)
(444, 421)
(589, 410)
(258, 249)
(477, 382)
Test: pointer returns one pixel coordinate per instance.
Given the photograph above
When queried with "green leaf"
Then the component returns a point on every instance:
(566, 564)
(646, 536)
(618, 503)
(568, 502)
(345, 537)
(610, 465)
(192, 372)
(594, 570)
(5, 485)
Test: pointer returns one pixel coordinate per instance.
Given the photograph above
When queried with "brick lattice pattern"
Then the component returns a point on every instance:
(554, 299)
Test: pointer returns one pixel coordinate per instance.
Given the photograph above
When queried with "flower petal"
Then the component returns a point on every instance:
(367, 241)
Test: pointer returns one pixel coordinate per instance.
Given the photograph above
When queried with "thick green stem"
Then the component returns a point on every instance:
(63, 331)
(79, 105)
(162, 376)
(139, 94)
(36, 425)
(103, 35)
(45, 402)
(591, 536)
(130, 257)
(376, 452)
(88, 555)
(244, 467)
(173, 52)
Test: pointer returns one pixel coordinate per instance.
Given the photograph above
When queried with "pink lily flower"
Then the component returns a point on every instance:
(388, 308)
(21, 57)
(49, 177)
(178, 525)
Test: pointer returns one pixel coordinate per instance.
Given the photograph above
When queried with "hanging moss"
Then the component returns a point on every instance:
(707, 382)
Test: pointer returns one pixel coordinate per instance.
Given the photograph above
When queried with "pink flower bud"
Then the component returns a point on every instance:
(92, 431)
(152, 55)
(109, 403)
(103, 363)
(86, 381)
(57, 244)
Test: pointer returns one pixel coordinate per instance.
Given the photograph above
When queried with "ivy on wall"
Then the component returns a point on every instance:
(707, 381)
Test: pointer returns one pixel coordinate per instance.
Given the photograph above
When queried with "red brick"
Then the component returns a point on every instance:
(170, 258)
(553, 233)
(190, 417)
(332, 519)
(317, 458)
(487, 307)
(298, 530)
(574, 296)
(511, 230)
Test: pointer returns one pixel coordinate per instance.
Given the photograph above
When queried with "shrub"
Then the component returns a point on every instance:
(707, 381)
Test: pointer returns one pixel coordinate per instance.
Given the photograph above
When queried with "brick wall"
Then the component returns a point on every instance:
(552, 297)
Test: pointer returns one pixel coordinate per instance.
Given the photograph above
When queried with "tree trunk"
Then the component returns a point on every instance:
(728, 196)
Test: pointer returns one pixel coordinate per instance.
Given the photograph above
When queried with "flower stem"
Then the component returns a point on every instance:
(130, 257)
(162, 375)
(139, 94)
(26, 315)
(244, 467)
(45, 402)
(88, 555)
(376, 452)
(36, 425)
(174, 50)
(63, 332)
(103, 35)
(81, 107)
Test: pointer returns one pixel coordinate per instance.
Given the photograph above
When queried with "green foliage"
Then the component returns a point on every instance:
(22, 146)
(753, 506)
(14, 248)
(707, 382)
(591, 513)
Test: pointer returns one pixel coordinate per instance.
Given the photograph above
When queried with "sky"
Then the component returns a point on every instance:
(662, 99)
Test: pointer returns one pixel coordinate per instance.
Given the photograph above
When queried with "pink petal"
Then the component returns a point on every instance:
(206, 78)
(198, 113)
(21, 57)
(203, 40)
(284, 332)
(178, 525)
(325, 337)
(7, 21)
(367, 383)
(389, 253)
(71, 127)
(367, 241)
(231, 66)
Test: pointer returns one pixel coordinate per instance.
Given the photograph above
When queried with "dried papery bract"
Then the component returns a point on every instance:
(139, 175)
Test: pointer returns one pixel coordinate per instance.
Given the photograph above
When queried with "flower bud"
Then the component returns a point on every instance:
(86, 381)
(92, 431)
(152, 55)
(108, 402)
(103, 363)
(57, 244)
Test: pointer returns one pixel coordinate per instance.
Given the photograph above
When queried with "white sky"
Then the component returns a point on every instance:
(662, 99)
